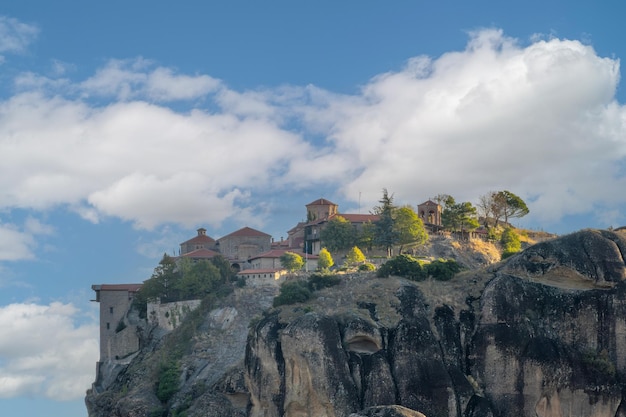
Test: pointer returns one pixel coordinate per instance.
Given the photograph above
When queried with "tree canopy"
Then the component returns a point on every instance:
(184, 279)
(291, 261)
(338, 234)
(459, 216)
(385, 234)
(409, 228)
(501, 205)
(397, 225)
(510, 205)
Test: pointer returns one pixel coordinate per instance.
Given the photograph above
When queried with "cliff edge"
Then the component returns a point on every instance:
(542, 334)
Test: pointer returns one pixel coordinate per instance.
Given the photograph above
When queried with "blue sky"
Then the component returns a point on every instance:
(124, 126)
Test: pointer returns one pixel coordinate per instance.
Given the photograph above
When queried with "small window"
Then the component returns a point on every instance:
(111, 310)
(108, 326)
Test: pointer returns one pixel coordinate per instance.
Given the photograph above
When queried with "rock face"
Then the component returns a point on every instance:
(542, 334)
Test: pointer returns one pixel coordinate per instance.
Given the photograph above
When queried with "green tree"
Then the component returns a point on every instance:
(354, 257)
(223, 265)
(338, 234)
(365, 236)
(386, 234)
(291, 293)
(459, 216)
(509, 205)
(198, 280)
(325, 260)
(291, 261)
(160, 285)
(510, 242)
(409, 228)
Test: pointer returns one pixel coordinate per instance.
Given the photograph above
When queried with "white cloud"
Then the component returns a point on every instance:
(16, 36)
(15, 244)
(131, 79)
(37, 345)
(540, 120)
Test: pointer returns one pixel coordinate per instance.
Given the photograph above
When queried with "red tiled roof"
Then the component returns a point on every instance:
(199, 239)
(428, 203)
(321, 202)
(201, 253)
(246, 231)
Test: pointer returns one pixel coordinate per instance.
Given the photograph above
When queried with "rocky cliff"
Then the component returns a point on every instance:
(542, 334)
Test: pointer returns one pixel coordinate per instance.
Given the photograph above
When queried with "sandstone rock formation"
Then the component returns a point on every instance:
(542, 334)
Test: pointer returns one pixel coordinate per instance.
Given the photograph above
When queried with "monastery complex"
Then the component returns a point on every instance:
(253, 254)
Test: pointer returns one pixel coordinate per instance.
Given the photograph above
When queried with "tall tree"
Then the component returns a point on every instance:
(338, 234)
(459, 216)
(201, 278)
(511, 206)
(385, 233)
(487, 206)
(365, 236)
(409, 228)
(162, 282)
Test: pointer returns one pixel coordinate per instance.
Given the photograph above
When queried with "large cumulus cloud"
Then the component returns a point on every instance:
(540, 119)
(151, 146)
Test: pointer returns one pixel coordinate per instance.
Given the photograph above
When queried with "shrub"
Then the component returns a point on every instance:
(169, 378)
(442, 270)
(319, 281)
(511, 243)
(403, 266)
(291, 293)
(325, 259)
(599, 363)
(367, 267)
(354, 257)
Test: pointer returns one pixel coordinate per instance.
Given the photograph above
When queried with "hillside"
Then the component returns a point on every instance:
(536, 335)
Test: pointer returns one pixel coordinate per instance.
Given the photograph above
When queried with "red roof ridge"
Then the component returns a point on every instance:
(200, 253)
(246, 231)
(321, 202)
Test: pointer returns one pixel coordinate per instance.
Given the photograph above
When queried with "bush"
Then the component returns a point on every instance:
(442, 270)
(319, 281)
(404, 266)
(367, 267)
(511, 243)
(169, 378)
(354, 257)
(291, 293)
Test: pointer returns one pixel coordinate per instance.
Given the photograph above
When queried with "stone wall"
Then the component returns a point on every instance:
(169, 315)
